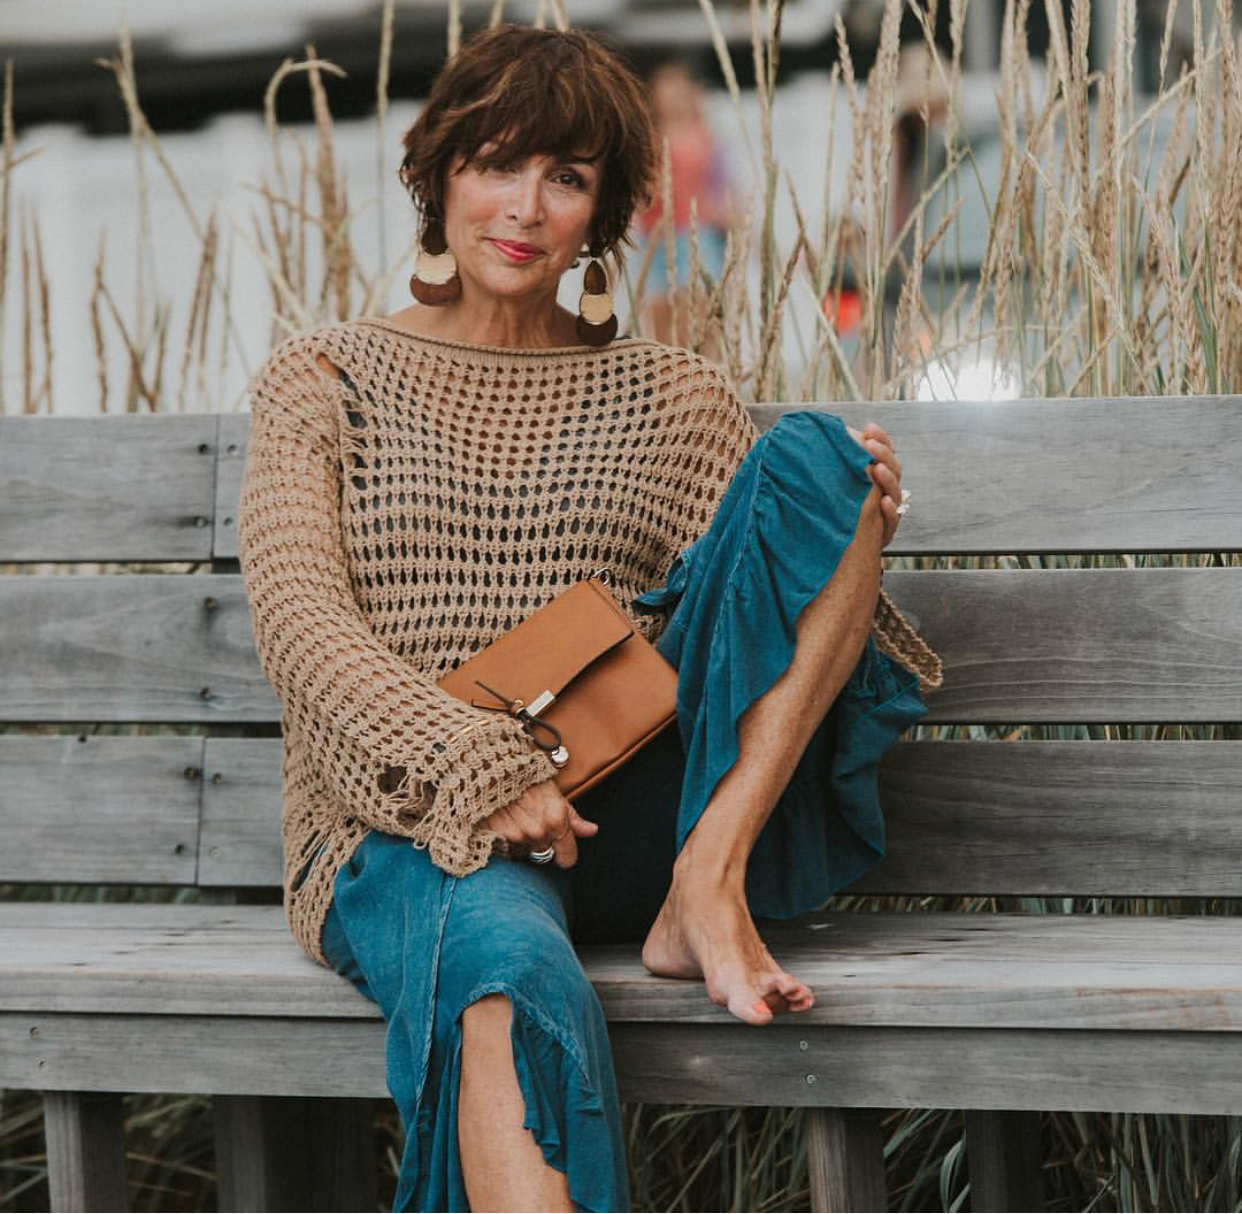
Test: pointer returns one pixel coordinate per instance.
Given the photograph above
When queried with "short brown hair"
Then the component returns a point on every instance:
(561, 93)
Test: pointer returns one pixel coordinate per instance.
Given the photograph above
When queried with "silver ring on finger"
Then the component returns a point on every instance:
(542, 857)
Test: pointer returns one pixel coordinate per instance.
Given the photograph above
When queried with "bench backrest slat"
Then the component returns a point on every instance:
(1119, 819)
(134, 488)
(1081, 645)
(996, 477)
(92, 809)
(1024, 818)
(135, 647)
(1021, 646)
(1146, 475)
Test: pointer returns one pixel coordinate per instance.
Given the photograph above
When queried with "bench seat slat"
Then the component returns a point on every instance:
(1086, 1070)
(947, 971)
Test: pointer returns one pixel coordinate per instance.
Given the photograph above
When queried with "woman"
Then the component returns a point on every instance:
(417, 485)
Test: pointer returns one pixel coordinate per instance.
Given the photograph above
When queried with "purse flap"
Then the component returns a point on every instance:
(546, 651)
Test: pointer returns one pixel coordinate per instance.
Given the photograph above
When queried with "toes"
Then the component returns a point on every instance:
(749, 1010)
(783, 992)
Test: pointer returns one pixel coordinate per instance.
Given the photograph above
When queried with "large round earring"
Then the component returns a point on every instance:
(435, 280)
(596, 324)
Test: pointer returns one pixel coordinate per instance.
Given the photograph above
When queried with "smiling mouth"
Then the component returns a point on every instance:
(515, 248)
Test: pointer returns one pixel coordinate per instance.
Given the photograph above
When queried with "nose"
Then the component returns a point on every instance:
(526, 199)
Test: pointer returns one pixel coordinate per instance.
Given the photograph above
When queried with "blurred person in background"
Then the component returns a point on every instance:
(699, 172)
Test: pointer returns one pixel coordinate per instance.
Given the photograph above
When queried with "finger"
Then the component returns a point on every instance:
(876, 431)
(886, 478)
(556, 815)
(566, 850)
(503, 824)
(534, 829)
(888, 511)
(580, 826)
(885, 455)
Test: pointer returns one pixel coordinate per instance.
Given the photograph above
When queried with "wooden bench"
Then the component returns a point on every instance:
(1000, 1014)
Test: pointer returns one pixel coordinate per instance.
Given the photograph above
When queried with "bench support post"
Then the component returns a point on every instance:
(294, 1153)
(85, 1135)
(1003, 1153)
(845, 1155)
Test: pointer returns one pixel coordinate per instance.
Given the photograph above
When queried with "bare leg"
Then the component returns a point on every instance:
(501, 1162)
(704, 928)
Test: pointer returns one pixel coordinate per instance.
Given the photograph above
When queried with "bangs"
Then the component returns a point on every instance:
(531, 112)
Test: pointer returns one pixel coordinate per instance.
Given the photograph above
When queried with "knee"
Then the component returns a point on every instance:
(486, 1012)
(555, 991)
(486, 1021)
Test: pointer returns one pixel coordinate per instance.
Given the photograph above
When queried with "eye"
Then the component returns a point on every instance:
(573, 177)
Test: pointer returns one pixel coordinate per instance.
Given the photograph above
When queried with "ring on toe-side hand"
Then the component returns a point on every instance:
(542, 857)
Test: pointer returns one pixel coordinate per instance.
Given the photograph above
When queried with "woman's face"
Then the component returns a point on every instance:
(515, 231)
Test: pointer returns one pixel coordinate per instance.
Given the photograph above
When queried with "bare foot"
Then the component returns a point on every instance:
(704, 931)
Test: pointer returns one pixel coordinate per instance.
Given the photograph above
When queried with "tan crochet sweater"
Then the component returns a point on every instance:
(405, 501)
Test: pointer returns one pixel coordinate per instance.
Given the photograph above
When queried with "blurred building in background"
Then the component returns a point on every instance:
(81, 214)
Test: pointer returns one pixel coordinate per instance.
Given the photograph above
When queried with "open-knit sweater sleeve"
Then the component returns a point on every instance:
(399, 754)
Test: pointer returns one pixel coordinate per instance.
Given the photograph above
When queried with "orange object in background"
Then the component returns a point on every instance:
(844, 309)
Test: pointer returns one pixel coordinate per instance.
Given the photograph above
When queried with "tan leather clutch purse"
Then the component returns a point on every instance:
(589, 689)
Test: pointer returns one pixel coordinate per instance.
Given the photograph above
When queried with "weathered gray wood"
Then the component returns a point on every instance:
(845, 1157)
(130, 648)
(244, 1179)
(1070, 475)
(1128, 819)
(1024, 818)
(294, 1153)
(233, 432)
(1006, 1166)
(1166, 1072)
(1092, 1070)
(136, 488)
(85, 1151)
(227, 960)
(240, 836)
(212, 1055)
(86, 808)
(1053, 645)
(1165, 457)
(1081, 644)
(1140, 973)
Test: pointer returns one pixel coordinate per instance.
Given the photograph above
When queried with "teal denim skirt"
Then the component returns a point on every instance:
(425, 945)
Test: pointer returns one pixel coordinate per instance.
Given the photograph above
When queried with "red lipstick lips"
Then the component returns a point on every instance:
(515, 249)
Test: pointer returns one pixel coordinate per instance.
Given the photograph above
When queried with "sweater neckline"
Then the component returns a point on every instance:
(498, 354)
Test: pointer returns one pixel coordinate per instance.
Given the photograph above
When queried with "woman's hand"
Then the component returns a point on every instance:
(885, 472)
(539, 818)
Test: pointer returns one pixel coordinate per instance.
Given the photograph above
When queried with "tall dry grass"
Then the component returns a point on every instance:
(1111, 266)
